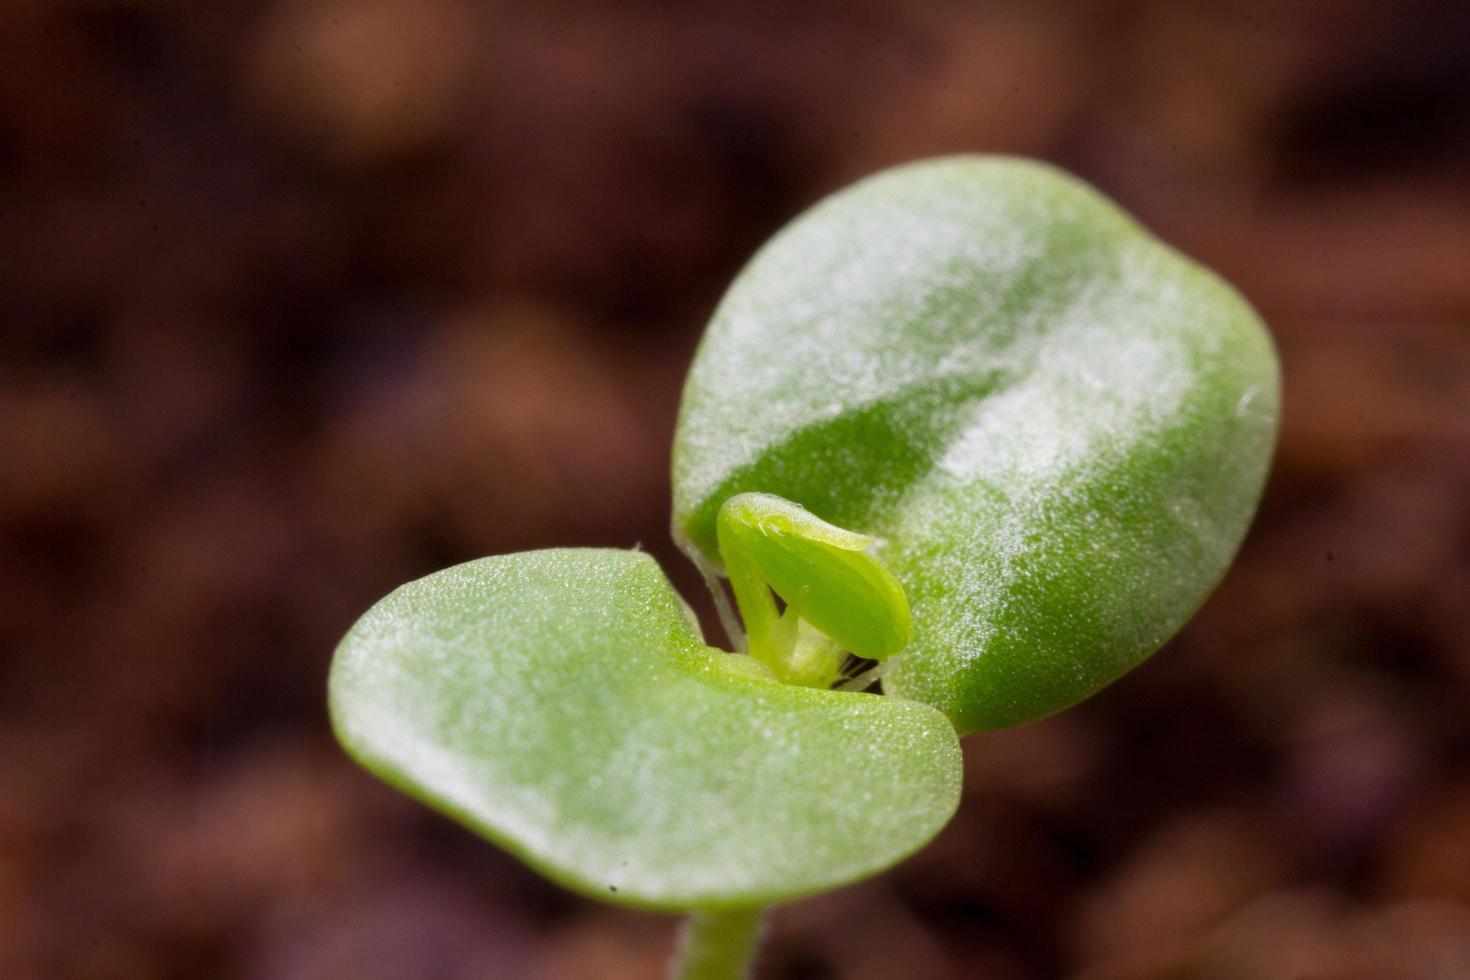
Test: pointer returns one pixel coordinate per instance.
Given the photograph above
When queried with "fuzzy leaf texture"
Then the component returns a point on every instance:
(562, 704)
(1056, 427)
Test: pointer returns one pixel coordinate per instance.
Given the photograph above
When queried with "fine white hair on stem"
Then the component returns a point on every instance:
(864, 680)
(729, 619)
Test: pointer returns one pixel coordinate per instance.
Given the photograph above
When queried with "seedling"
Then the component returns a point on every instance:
(964, 434)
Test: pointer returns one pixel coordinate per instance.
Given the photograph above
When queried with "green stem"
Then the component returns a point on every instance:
(768, 633)
(719, 945)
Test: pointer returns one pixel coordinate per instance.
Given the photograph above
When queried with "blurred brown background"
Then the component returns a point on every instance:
(299, 300)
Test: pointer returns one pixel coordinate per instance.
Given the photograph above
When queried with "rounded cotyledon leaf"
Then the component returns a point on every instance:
(561, 703)
(1056, 427)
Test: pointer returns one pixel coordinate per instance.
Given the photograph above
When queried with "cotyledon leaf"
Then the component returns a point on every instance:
(1057, 427)
(560, 703)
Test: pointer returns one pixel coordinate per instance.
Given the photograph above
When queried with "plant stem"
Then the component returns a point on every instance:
(769, 635)
(718, 945)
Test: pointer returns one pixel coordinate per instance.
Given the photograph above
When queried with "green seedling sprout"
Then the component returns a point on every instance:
(963, 434)
(839, 597)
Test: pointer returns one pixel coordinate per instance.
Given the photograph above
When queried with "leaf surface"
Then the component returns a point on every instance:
(561, 704)
(1057, 427)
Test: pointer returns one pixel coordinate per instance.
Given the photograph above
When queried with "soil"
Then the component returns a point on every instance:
(301, 300)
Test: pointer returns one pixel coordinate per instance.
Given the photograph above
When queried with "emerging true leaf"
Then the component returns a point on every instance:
(826, 575)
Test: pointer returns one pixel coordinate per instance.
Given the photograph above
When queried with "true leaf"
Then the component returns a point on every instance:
(825, 574)
(561, 703)
(1058, 425)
